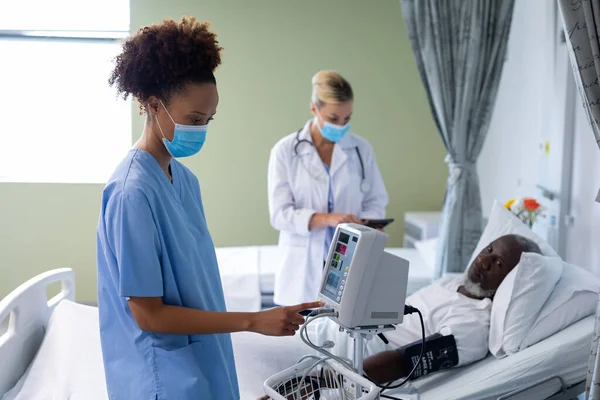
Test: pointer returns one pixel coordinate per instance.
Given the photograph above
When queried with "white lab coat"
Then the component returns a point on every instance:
(298, 187)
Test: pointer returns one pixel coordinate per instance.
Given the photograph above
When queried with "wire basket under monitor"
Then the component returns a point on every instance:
(317, 379)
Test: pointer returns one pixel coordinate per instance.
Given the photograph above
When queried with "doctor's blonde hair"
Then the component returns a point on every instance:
(329, 87)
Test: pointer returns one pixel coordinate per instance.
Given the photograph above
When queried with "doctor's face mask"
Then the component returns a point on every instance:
(335, 119)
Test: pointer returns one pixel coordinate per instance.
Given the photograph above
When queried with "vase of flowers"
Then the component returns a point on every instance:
(527, 209)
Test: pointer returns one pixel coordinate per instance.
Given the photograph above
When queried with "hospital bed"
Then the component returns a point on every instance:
(248, 274)
(52, 350)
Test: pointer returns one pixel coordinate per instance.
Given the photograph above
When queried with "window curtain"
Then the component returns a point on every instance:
(581, 22)
(460, 47)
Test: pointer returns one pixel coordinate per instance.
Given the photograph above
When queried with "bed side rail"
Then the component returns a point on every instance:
(563, 392)
(569, 393)
(28, 310)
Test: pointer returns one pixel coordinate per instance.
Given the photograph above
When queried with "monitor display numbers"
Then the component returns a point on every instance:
(341, 248)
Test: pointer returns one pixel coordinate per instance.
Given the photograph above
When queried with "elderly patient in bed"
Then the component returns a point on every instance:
(457, 306)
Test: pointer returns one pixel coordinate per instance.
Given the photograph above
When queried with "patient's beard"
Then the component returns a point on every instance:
(475, 289)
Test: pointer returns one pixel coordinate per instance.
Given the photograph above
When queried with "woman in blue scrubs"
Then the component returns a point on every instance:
(163, 322)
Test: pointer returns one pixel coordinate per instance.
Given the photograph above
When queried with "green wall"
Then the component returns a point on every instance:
(272, 49)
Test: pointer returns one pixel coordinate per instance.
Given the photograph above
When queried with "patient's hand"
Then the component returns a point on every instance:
(384, 367)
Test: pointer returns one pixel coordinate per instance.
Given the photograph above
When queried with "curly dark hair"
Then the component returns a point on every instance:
(162, 58)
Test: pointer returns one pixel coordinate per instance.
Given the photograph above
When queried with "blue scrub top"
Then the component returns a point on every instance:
(153, 241)
(330, 230)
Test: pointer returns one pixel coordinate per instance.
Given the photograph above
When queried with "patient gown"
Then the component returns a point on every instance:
(444, 310)
(153, 241)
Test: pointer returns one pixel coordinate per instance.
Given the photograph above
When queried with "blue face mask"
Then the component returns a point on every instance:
(187, 139)
(332, 132)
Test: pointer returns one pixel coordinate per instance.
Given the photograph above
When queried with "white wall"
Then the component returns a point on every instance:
(508, 165)
(583, 237)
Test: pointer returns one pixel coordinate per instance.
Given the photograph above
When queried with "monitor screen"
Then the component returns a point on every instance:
(332, 284)
(344, 237)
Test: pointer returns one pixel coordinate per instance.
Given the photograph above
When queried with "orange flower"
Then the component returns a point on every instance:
(531, 204)
(509, 203)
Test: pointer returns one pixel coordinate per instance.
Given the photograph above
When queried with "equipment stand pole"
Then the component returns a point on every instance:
(358, 358)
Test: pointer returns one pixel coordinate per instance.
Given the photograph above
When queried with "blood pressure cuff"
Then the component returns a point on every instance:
(440, 353)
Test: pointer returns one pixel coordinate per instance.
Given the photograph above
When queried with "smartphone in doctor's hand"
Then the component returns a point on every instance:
(378, 223)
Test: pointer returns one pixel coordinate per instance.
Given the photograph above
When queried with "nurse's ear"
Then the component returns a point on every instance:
(153, 106)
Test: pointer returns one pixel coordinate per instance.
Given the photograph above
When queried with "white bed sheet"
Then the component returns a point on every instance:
(70, 358)
(69, 363)
(240, 277)
(564, 354)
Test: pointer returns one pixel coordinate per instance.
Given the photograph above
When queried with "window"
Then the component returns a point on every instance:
(60, 121)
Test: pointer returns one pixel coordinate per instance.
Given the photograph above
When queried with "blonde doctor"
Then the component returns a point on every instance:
(318, 177)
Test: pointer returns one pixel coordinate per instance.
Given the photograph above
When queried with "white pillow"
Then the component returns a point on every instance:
(574, 297)
(519, 299)
(428, 251)
(503, 222)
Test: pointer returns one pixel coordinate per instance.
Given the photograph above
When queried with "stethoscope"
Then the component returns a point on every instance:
(363, 183)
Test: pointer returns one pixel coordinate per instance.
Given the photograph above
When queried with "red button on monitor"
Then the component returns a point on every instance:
(342, 249)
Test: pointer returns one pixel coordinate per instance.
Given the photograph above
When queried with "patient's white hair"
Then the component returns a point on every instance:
(475, 288)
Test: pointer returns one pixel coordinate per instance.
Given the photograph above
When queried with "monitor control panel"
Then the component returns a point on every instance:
(339, 264)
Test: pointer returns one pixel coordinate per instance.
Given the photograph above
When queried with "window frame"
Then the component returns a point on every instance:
(67, 36)
(87, 36)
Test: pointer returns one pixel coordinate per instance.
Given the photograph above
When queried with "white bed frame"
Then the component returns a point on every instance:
(28, 311)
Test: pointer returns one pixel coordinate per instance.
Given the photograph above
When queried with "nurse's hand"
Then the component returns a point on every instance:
(280, 321)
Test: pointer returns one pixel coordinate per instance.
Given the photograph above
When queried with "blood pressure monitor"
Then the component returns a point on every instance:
(362, 283)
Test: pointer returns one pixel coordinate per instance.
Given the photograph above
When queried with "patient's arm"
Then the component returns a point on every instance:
(440, 352)
(387, 366)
